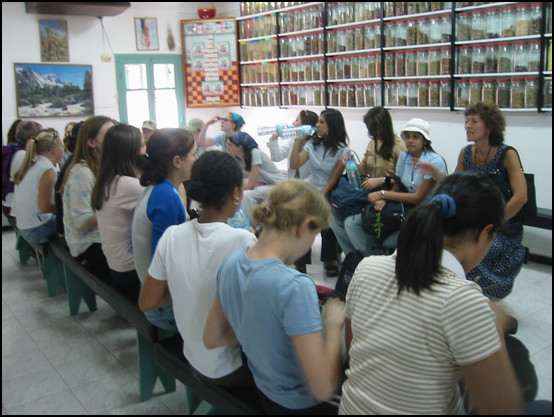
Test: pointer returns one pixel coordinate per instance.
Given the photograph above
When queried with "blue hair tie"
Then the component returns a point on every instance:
(447, 203)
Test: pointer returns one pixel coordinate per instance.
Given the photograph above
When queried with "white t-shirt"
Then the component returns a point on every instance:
(268, 173)
(406, 351)
(188, 257)
(115, 221)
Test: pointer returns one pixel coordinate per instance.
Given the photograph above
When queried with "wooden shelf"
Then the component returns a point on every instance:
(104, 8)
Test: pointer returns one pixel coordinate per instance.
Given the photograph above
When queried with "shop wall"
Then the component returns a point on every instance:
(529, 132)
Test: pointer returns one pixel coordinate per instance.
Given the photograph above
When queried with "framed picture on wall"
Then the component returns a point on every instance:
(146, 34)
(53, 90)
(54, 44)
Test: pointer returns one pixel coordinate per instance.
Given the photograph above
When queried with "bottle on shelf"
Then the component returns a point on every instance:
(352, 172)
(239, 220)
(287, 132)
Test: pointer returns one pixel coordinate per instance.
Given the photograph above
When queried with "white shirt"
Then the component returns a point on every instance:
(188, 257)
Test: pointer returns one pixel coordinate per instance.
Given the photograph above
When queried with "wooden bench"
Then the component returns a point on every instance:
(202, 394)
(49, 264)
(82, 284)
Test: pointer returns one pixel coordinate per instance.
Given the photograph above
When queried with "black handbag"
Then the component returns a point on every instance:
(385, 222)
(501, 180)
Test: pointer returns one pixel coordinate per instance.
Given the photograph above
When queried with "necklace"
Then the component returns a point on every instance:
(486, 159)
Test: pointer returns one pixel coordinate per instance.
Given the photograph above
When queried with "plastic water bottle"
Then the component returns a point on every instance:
(239, 220)
(287, 132)
(352, 173)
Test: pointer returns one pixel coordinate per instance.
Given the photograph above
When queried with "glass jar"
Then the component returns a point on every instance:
(422, 31)
(411, 32)
(491, 58)
(301, 67)
(465, 59)
(332, 15)
(521, 57)
(423, 94)
(340, 68)
(517, 95)
(302, 101)
(389, 64)
(478, 64)
(412, 7)
(493, 24)
(445, 61)
(446, 29)
(341, 40)
(548, 93)
(354, 63)
(294, 71)
(489, 91)
(509, 22)
(435, 34)
(523, 20)
(350, 96)
(402, 92)
(378, 94)
(412, 94)
(390, 34)
(475, 91)
(422, 63)
(411, 63)
(400, 63)
(462, 93)
(434, 61)
(334, 95)
(332, 69)
(478, 25)
(401, 33)
(534, 56)
(371, 65)
(389, 9)
(362, 66)
(358, 38)
(391, 90)
(318, 95)
(445, 93)
(434, 93)
(505, 57)
(531, 93)
(369, 38)
(360, 96)
(370, 95)
(309, 70)
(503, 94)
(317, 70)
(464, 27)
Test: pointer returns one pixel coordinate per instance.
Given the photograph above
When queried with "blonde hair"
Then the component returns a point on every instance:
(290, 203)
(38, 146)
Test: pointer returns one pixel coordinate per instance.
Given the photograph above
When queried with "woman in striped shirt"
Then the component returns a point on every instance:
(415, 326)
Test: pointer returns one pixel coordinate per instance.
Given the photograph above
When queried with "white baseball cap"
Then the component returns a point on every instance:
(418, 125)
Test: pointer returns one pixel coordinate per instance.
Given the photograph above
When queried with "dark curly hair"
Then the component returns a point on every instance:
(493, 118)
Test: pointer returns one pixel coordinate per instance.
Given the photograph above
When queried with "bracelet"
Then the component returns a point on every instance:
(382, 194)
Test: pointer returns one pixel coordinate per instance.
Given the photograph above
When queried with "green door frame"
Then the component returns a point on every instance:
(149, 60)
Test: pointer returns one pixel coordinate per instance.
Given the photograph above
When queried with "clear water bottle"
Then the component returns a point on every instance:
(286, 132)
(352, 173)
(239, 220)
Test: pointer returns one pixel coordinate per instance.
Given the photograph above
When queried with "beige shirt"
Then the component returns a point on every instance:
(375, 166)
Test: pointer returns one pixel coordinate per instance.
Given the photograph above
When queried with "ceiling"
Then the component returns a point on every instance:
(77, 8)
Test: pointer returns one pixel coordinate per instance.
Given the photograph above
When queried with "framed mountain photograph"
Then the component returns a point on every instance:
(53, 90)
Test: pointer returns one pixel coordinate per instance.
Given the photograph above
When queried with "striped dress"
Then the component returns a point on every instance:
(406, 351)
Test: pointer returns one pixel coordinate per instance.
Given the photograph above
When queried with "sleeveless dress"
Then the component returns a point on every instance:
(498, 270)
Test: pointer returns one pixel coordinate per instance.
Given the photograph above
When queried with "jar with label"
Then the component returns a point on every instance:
(400, 63)
(534, 56)
(317, 70)
(423, 94)
(489, 91)
(318, 95)
(422, 31)
(464, 27)
(531, 93)
(523, 20)
(422, 62)
(518, 94)
(350, 96)
(462, 93)
(369, 37)
(343, 96)
(503, 94)
(411, 32)
(508, 22)
(491, 58)
(434, 61)
(521, 57)
(334, 95)
(465, 59)
(402, 92)
(478, 25)
(493, 24)
(446, 28)
(548, 93)
(391, 91)
(434, 93)
(505, 57)
(435, 31)
(332, 69)
(401, 33)
(475, 91)
(445, 93)
(445, 61)
(478, 63)
(411, 63)
(412, 94)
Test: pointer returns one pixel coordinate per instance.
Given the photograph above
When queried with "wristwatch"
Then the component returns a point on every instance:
(382, 194)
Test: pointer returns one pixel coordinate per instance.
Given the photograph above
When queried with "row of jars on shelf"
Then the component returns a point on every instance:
(508, 94)
(515, 94)
(253, 7)
(399, 8)
(521, 20)
(420, 31)
(501, 58)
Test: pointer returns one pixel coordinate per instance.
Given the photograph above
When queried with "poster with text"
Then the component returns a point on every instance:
(210, 62)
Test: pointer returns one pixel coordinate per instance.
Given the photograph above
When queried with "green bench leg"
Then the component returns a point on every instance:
(149, 371)
(52, 271)
(25, 250)
(77, 291)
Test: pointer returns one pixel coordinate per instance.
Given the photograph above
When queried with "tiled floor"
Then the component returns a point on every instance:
(53, 363)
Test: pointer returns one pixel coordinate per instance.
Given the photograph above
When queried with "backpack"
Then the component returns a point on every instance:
(8, 151)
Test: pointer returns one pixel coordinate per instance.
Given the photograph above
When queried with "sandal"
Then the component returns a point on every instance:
(332, 271)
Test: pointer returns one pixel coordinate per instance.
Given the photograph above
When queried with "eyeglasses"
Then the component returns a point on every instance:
(223, 119)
